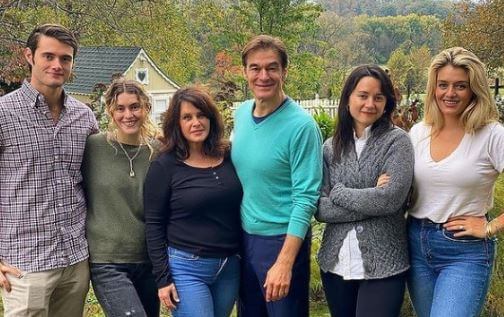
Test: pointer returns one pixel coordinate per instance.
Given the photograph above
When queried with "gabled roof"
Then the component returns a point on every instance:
(97, 65)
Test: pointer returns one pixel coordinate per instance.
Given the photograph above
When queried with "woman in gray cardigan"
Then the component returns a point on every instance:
(368, 170)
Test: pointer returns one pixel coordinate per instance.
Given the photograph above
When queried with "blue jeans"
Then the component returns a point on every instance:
(125, 289)
(207, 287)
(258, 255)
(448, 276)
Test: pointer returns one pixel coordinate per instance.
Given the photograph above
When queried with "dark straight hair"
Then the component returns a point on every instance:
(343, 134)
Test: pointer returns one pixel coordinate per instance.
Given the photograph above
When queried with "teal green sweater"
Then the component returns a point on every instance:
(115, 223)
(279, 163)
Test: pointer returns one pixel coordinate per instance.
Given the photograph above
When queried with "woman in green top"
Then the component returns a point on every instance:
(114, 170)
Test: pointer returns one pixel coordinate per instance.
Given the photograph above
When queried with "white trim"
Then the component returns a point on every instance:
(145, 81)
(77, 93)
(156, 115)
(169, 92)
(143, 54)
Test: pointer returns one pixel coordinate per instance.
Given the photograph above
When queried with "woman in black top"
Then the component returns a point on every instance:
(192, 202)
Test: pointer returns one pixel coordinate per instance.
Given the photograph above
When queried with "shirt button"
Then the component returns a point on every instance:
(359, 229)
(56, 157)
(60, 205)
(214, 173)
(216, 177)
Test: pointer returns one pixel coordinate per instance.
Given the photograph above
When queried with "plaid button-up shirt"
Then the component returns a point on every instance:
(42, 203)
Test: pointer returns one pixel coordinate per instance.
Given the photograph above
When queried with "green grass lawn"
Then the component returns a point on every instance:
(494, 306)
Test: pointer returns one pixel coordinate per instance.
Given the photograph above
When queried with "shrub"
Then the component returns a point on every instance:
(325, 122)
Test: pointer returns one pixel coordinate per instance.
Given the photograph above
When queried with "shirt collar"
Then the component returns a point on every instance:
(365, 135)
(34, 97)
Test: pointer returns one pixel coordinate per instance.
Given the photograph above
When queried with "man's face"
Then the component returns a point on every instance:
(51, 64)
(265, 74)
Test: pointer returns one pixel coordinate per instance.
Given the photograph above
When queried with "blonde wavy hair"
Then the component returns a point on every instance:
(148, 131)
(482, 109)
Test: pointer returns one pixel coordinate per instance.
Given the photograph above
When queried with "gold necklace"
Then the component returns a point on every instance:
(130, 159)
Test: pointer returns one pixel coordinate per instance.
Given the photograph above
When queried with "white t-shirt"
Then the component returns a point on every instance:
(463, 182)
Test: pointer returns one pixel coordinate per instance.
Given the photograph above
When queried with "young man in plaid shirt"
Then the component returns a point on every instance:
(43, 131)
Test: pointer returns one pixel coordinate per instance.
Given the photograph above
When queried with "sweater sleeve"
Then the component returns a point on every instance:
(157, 191)
(327, 210)
(306, 173)
(399, 162)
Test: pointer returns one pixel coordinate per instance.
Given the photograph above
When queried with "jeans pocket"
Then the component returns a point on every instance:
(449, 235)
(181, 255)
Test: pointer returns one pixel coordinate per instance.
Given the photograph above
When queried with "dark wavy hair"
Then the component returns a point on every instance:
(343, 139)
(215, 145)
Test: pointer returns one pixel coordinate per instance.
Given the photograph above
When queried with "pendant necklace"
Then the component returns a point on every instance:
(130, 159)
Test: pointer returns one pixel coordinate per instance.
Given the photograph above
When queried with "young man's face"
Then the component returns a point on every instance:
(51, 64)
(265, 74)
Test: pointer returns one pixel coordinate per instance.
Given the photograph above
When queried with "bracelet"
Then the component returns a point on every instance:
(488, 230)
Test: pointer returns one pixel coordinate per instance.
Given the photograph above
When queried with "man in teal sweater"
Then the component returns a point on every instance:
(277, 155)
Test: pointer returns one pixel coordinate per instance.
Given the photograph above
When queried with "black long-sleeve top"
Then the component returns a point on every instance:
(192, 209)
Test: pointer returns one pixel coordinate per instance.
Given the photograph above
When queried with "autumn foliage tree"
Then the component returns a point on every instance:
(478, 27)
(157, 26)
(408, 70)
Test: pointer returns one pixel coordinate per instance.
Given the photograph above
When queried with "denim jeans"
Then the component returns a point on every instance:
(125, 289)
(448, 276)
(207, 287)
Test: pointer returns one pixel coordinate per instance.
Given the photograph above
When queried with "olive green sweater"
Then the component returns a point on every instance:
(115, 220)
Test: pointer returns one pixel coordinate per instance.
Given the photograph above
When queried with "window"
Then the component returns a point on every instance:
(142, 75)
(159, 106)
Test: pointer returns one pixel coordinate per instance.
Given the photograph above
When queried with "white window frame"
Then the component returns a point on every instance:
(146, 79)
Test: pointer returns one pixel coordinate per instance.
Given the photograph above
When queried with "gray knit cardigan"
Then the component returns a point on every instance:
(350, 199)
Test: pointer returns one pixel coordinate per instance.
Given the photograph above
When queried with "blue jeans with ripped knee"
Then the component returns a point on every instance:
(125, 289)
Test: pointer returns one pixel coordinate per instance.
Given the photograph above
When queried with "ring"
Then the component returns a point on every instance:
(461, 227)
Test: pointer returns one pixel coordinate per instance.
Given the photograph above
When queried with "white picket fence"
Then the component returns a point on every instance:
(313, 106)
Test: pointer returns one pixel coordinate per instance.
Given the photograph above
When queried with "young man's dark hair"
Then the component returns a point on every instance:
(56, 31)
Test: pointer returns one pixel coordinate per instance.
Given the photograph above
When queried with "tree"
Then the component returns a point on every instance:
(157, 26)
(385, 34)
(437, 8)
(294, 22)
(408, 71)
(479, 28)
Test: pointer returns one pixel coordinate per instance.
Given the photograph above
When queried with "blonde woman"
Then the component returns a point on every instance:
(459, 153)
(115, 166)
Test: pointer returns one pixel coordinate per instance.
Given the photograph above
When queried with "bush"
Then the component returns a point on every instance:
(500, 105)
(325, 122)
(495, 301)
